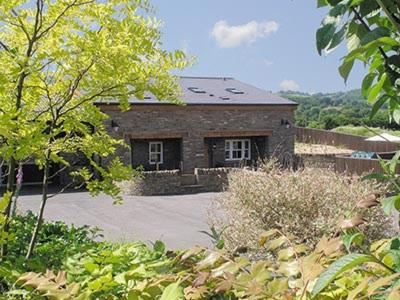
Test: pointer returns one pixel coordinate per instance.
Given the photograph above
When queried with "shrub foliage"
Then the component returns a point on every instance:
(289, 271)
(307, 203)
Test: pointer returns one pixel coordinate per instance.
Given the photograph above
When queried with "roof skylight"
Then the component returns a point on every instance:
(196, 90)
(234, 91)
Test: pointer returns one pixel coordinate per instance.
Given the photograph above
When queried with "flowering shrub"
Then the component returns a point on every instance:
(308, 203)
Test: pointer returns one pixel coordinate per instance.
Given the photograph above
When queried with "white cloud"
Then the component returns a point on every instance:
(232, 36)
(289, 85)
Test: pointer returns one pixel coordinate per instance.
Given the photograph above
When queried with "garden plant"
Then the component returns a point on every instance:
(63, 56)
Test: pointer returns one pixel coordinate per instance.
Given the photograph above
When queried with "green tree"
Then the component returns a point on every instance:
(60, 58)
(371, 29)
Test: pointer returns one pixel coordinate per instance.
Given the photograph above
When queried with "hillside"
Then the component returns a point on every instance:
(328, 111)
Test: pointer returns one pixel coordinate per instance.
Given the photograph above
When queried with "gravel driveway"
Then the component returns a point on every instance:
(176, 220)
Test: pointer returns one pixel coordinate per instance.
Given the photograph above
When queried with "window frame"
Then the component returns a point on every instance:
(161, 152)
(243, 150)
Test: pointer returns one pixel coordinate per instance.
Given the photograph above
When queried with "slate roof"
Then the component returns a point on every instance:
(220, 91)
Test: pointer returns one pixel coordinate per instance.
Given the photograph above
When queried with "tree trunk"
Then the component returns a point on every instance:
(39, 220)
(12, 163)
(10, 188)
(17, 190)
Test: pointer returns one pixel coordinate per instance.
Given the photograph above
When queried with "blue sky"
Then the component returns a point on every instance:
(268, 43)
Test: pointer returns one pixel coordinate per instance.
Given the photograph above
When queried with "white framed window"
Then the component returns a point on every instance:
(156, 153)
(237, 149)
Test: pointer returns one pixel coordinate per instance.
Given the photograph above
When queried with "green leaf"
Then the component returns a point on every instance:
(396, 116)
(208, 261)
(322, 3)
(395, 244)
(259, 271)
(384, 165)
(324, 36)
(4, 201)
(337, 39)
(383, 41)
(220, 244)
(338, 267)
(278, 286)
(378, 104)
(354, 35)
(276, 243)
(376, 176)
(172, 292)
(334, 2)
(368, 6)
(375, 34)
(366, 84)
(286, 254)
(159, 247)
(352, 239)
(91, 267)
(391, 204)
(374, 92)
(289, 268)
(265, 236)
(394, 162)
(338, 10)
(361, 287)
(346, 68)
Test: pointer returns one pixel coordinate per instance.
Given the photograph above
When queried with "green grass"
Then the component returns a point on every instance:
(362, 131)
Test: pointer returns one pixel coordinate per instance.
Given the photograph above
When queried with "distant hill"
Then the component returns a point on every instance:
(328, 111)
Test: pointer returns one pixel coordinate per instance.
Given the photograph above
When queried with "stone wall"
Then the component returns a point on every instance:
(193, 121)
(213, 180)
(169, 182)
(154, 183)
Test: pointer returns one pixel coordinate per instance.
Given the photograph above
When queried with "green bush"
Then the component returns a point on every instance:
(56, 242)
(135, 271)
(290, 270)
(307, 203)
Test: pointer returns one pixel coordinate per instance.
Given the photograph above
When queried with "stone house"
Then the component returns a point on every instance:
(225, 123)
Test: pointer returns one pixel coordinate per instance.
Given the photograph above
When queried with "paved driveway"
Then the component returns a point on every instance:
(176, 220)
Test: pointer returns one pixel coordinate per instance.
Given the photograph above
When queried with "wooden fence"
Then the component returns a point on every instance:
(353, 142)
(358, 166)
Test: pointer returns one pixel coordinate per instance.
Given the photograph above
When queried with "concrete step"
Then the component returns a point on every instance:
(188, 179)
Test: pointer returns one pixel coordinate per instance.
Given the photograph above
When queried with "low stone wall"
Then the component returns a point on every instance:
(170, 182)
(213, 180)
(318, 161)
(154, 183)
